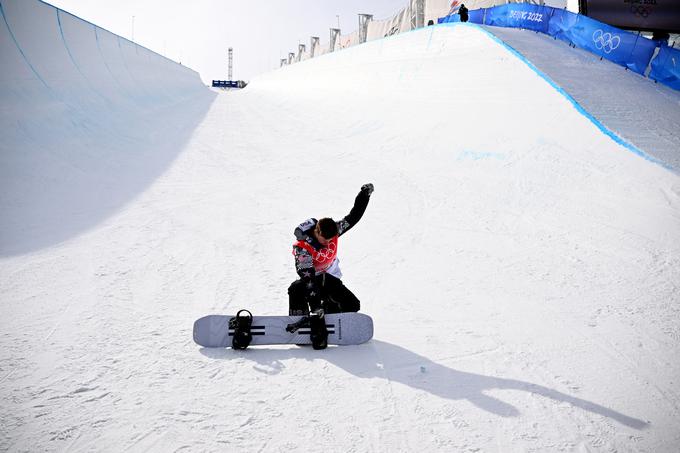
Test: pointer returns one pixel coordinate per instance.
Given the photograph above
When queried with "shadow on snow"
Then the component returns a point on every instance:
(379, 359)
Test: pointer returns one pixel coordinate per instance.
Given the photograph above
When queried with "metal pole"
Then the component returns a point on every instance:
(231, 65)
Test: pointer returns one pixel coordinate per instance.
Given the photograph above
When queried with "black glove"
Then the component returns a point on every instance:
(367, 189)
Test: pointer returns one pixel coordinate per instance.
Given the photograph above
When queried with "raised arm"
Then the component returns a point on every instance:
(360, 204)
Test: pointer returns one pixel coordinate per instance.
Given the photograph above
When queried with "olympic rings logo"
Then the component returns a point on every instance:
(640, 11)
(326, 253)
(606, 41)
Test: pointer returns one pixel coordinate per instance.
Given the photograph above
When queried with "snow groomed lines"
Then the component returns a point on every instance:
(73, 60)
(68, 51)
(9, 29)
(608, 132)
(135, 82)
(96, 37)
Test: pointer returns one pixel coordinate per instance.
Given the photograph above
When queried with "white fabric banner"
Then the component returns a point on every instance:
(382, 28)
(434, 9)
(348, 40)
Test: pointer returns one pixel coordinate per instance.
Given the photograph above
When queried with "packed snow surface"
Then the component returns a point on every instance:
(521, 267)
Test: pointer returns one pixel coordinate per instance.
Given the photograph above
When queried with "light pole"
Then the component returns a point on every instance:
(133, 28)
(231, 64)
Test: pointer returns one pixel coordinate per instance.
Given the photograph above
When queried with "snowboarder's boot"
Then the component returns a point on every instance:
(294, 327)
(241, 325)
(319, 333)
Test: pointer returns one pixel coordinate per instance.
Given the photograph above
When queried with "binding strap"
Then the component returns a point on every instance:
(241, 325)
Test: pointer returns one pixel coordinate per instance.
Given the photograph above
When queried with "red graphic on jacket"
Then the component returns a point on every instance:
(324, 257)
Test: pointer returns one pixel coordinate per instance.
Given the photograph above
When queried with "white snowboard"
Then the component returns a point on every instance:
(343, 329)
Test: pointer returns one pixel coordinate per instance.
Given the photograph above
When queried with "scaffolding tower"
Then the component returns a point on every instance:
(335, 33)
(364, 19)
(313, 42)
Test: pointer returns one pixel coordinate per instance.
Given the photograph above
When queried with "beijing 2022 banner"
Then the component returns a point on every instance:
(663, 15)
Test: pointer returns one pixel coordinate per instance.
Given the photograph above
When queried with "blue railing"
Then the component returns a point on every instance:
(630, 50)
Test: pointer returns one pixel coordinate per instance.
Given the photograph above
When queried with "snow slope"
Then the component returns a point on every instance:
(521, 267)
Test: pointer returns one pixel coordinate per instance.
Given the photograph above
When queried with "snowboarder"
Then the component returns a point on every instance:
(319, 289)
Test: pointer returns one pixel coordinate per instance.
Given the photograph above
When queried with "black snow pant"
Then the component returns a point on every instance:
(335, 297)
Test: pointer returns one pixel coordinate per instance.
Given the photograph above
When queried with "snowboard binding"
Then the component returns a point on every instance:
(317, 325)
(241, 325)
(294, 327)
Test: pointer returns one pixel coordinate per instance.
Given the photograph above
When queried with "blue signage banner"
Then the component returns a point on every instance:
(519, 15)
(476, 16)
(449, 19)
(621, 47)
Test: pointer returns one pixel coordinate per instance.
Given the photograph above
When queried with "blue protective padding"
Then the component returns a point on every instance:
(624, 48)
(627, 49)
(562, 24)
(666, 67)
(449, 19)
(476, 16)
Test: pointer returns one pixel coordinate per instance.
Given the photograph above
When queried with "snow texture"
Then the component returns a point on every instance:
(521, 267)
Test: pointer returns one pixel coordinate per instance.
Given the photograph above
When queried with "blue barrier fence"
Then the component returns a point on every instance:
(624, 48)
(666, 67)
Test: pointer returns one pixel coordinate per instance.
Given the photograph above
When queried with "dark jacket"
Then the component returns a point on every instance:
(304, 264)
(463, 11)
